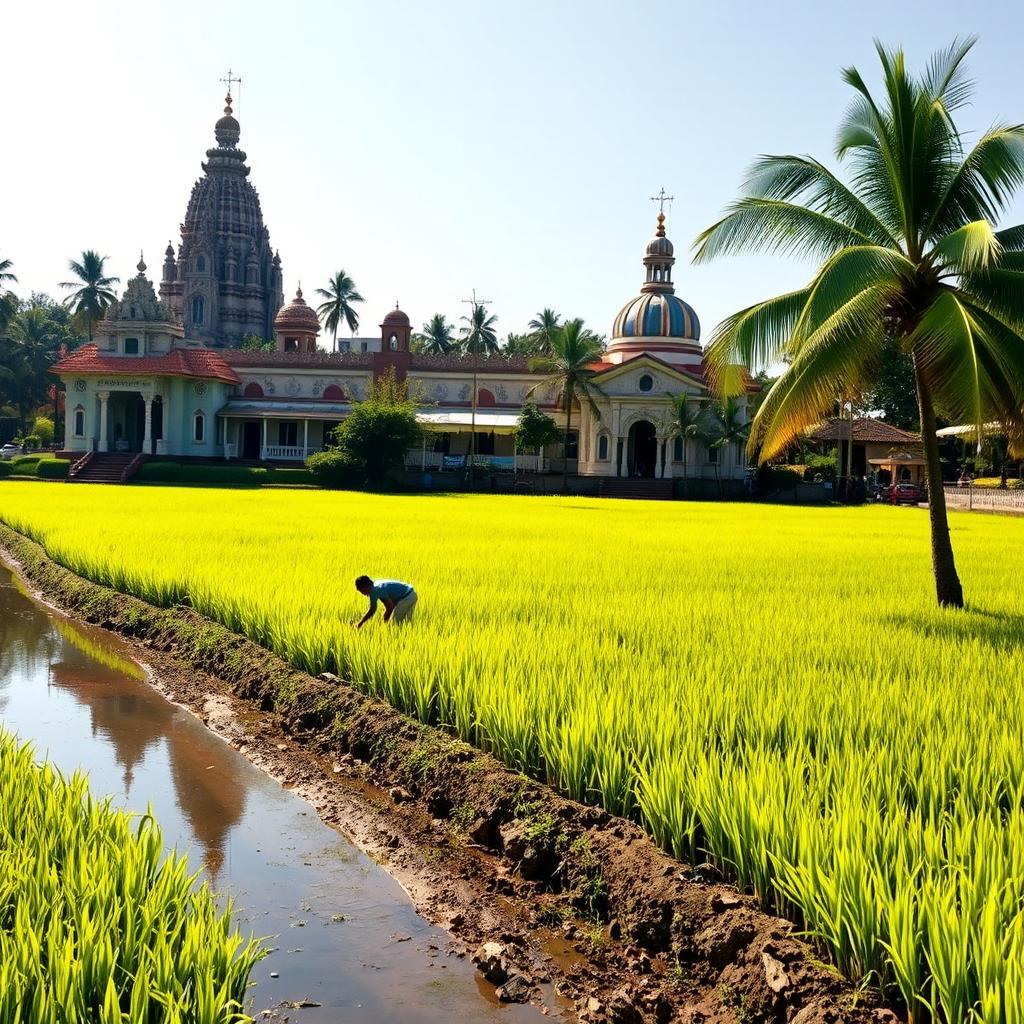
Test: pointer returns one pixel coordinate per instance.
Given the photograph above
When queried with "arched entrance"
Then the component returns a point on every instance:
(642, 451)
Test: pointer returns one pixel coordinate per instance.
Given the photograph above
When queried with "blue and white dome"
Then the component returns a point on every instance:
(657, 315)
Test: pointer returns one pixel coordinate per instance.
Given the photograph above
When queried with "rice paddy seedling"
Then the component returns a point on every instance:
(96, 923)
(767, 687)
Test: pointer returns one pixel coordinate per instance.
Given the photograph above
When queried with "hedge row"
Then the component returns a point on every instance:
(44, 467)
(234, 476)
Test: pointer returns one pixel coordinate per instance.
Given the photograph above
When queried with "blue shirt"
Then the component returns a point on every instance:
(393, 590)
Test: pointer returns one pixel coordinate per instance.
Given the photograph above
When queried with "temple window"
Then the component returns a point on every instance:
(201, 264)
(677, 450)
(291, 344)
(252, 390)
(485, 397)
(79, 422)
(646, 382)
(199, 427)
(573, 445)
(602, 447)
(363, 347)
(131, 345)
(132, 312)
(197, 309)
(333, 393)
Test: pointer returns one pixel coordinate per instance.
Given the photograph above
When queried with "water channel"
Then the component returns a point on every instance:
(344, 933)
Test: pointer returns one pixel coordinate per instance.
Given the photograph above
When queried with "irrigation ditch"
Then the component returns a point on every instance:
(557, 903)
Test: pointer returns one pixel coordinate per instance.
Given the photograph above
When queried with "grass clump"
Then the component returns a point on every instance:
(96, 923)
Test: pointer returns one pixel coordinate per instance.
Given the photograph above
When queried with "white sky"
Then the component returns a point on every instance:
(433, 148)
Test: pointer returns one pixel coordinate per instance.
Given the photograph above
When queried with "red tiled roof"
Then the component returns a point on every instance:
(179, 362)
(865, 430)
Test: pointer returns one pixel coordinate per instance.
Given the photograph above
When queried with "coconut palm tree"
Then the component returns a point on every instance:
(689, 423)
(8, 300)
(340, 295)
(93, 292)
(544, 326)
(567, 370)
(729, 429)
(478, 338)
(910, 254)
(437, 339)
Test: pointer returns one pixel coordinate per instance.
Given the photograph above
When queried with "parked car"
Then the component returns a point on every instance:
(8, 451)
(904, 493)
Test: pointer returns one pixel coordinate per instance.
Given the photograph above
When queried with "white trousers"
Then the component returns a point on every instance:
(405, 607)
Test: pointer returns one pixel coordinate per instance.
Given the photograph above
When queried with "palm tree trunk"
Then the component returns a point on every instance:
(335, 349)
(565, 447)
(948, 588)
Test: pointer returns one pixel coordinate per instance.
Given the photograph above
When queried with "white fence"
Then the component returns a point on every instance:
(286, 453)
(985, 499)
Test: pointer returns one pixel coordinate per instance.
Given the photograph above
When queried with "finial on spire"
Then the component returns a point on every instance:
(396, 303)
(141, 265)
(298, 291)
(228, 79)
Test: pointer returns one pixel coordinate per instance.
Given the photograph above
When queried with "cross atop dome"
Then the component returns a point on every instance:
(227, 80)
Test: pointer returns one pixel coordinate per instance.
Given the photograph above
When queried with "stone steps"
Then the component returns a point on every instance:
(629, 487)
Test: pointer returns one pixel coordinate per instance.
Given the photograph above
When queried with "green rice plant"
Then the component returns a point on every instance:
(768, 688)
(97, 923)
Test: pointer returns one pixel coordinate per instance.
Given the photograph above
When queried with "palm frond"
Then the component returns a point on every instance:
(753, 337)
(766, 225)
(971, 247)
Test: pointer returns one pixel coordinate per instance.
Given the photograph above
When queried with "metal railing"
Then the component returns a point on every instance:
(985, 499)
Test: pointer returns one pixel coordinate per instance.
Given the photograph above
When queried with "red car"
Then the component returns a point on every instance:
(904, 493)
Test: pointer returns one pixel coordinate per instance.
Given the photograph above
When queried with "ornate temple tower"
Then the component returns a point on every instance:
(226, 281)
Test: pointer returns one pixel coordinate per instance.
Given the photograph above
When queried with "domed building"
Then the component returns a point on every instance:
(225, 282)
(296, 326)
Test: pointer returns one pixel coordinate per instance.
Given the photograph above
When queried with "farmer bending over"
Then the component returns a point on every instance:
(399, 599)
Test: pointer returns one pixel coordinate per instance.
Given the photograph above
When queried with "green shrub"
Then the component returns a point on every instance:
(219, 474)
(6, 469)
(43, 429)
(335, 469)
(53, 469)
(779, 478)
(159, 472)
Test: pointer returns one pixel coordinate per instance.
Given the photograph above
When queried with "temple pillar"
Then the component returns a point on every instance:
(659, 468)
(263, 445)
(620, 447)
(147, 437)
(103, 396)
(305, 439)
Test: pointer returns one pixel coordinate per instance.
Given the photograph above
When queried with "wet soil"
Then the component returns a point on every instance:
(558, 903)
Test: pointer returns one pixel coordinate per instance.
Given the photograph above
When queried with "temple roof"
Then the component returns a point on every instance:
(179, 362)
(867, 430)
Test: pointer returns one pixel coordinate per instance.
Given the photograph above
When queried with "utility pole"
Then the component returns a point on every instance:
(474, 304)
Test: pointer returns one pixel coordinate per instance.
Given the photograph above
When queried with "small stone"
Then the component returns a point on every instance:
(724, 900)
(274, 974)
(775, 973)
(337, 769)
(621, 1008)
(593, 1005)
(515, 990)
(282, 746)
(399, 794)
(491, 961)
(328, 677)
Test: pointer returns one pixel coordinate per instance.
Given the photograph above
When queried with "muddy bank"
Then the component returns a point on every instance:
(572, 900)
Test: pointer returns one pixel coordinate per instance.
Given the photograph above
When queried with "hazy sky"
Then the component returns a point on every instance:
(433, 148)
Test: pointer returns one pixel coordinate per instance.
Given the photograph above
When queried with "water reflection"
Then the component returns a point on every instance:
(132, 720)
